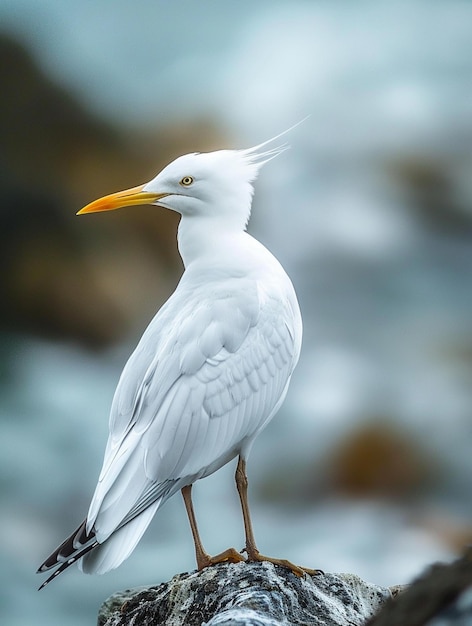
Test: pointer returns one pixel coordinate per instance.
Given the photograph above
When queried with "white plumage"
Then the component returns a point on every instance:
(210, 371)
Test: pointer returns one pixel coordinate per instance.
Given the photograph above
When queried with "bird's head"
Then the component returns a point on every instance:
(212, 184)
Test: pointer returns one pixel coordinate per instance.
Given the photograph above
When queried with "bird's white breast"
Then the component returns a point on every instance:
(209, 372)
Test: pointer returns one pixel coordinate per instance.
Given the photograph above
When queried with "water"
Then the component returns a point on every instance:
(383, 279)
(52, 443)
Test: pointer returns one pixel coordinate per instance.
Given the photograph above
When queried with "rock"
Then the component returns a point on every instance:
(442, 596)
(89, 281)
(254, 594)
(115, 602)
(378, 459)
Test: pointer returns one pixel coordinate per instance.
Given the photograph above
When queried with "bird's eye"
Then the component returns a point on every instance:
(186, 181)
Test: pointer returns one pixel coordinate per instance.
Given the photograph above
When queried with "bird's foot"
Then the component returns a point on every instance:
(255, 555)
(228, 556)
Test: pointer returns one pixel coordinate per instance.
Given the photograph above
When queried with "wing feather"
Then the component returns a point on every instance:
(205, 378)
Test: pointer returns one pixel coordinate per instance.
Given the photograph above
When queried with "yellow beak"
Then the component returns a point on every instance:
(128, 197)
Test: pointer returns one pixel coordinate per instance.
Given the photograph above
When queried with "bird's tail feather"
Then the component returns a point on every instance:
(112, 552)
(73, 548)
(94, 557)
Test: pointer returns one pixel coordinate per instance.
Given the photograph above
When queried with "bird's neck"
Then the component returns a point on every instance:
(211, 241)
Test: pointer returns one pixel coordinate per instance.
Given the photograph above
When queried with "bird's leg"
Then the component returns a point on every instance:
(253, 553)
(203, 558)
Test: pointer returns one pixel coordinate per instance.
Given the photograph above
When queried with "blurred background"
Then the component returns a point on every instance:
(367, 468)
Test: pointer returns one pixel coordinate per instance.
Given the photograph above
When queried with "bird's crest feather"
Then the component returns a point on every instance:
(254, 155)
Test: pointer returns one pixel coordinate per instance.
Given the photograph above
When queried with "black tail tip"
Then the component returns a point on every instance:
(52, 577)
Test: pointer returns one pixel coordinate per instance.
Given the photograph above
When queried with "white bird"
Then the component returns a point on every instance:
(210, 371)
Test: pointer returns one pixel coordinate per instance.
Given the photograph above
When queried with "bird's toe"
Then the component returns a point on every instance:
(295, 569)
(228, 556)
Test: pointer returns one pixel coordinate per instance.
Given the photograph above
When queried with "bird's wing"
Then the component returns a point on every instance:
(205, 377)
